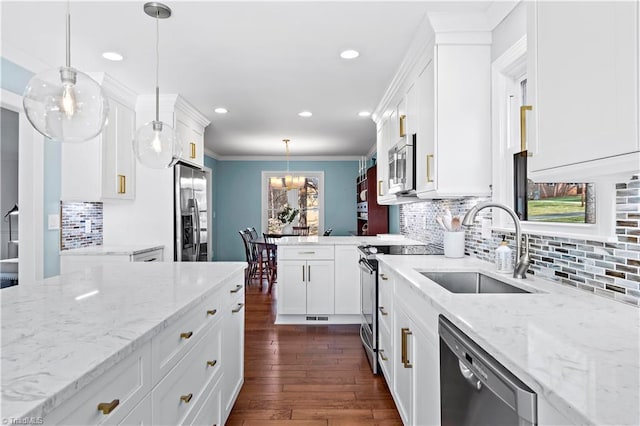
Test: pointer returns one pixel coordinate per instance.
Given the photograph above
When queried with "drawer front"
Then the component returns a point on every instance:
(140, 415)
(423, 314)
(309, 252)
(179, 396)
(127, 382)
(386, 351)
(151, 256)
(211, 411)
(171, 344)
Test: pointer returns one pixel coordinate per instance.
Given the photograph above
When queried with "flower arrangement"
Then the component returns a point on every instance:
(288, 214)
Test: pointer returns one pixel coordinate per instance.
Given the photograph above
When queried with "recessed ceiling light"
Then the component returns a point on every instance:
(349, 54)
(305, 114)
(113, 56)
(364, 113)
(221, 110)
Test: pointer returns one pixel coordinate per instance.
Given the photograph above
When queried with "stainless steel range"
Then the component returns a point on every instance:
(369, 291)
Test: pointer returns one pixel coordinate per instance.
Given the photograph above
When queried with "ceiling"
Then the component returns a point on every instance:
(263, 61)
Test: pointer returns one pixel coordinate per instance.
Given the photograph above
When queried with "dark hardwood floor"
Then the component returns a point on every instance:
(306, 375)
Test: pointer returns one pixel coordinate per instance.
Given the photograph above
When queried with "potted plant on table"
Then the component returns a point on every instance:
(286, 216)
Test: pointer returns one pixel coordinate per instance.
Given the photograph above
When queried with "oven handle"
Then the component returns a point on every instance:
(364, 342)
(366, 266)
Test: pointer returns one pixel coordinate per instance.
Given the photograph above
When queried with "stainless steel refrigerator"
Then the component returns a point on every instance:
(191, 213)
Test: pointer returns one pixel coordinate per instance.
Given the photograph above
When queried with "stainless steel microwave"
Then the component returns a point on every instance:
(402, 166)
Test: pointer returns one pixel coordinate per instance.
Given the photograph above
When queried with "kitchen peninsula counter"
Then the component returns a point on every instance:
(60, 334)
(346, 240)
(579, 352)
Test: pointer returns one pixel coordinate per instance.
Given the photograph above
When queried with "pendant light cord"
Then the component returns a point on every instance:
(157, 65)
(68, 35)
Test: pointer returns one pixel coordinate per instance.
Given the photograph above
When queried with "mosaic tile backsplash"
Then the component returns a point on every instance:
(74, 218)
(606, 269)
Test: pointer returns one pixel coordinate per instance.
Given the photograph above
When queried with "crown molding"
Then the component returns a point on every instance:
(464, 37)
(210, 153)
(23, 59)
(172, 102)
(115, 89)
(498, 10)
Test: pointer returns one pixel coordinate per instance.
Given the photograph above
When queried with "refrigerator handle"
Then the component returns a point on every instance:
(197, 229)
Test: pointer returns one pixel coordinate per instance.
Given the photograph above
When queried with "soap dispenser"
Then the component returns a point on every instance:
(504, 258)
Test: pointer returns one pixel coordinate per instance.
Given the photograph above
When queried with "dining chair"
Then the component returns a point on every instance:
(327, 232)
(301, 230)
(253, 232)
(250, 255)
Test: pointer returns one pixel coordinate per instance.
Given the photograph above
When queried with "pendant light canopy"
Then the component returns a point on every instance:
(156, 145)
(289, 181)
(65, 104)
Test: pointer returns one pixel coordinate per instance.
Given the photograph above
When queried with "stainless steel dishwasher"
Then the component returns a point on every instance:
(477, 390)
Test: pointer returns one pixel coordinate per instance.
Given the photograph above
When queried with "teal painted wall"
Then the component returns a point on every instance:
(212, 163)
(238, 198)
(14, 78)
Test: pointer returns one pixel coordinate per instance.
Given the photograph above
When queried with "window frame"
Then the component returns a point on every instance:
(264, 185)
(510, 66)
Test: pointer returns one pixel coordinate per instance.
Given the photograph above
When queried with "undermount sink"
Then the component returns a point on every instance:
(471, 282)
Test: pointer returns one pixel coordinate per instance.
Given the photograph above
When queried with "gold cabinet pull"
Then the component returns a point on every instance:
(238, 309)
(384, 277)
(405, 357)
(523, 126)
(380, 187)
(429, 178)
(382, 311)
(237, 289)
(186, 335)
(108, 407)
(212, 312)
(193, 150)
(186, 398)
(122, 184)
(403, 130)
(212, 363)
(384, 358)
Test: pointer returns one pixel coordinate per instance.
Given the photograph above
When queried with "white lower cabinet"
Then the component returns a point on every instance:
(347, 281)
(414, 379)
(306, 281)
(232, 347)
(188, 374)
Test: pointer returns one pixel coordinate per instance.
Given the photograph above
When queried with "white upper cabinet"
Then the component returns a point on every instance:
(188, 123)
(441, 99)
(582, 84)
(103, 169)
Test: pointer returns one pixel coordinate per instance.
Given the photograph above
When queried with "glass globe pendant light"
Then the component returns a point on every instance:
(65, 104)
(156, 145)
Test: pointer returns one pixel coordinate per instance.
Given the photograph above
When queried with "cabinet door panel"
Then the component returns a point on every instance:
(124, 179)
(402, 376)
(233, 354)
(586, 87)
(347, 281)
(426, 385)
(423, 95)
(320, 287)
(292, 287)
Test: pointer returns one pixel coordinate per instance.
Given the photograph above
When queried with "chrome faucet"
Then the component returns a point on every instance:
(520, 271)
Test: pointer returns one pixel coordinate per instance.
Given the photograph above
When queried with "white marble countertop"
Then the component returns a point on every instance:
(111, 250)
(355, 240)
(578, 351)
(60, 333)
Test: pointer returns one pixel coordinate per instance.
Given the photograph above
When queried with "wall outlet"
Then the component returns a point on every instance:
(87, 226)
(485, 228)
(53, 222)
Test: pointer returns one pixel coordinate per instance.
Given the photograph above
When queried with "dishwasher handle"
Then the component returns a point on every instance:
(469, 376)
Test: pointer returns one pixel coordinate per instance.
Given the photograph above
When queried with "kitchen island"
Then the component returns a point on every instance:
(319, 278)
(124, 336)
(580, 353)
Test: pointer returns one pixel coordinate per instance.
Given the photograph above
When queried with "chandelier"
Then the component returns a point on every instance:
(289, 181)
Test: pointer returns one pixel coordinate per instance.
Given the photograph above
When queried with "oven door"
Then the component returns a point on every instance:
(368, 303)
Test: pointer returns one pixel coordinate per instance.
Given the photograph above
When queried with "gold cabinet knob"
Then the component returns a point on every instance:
(108, 407)
(212, 363)
(186, 335)
(382, 311)
(186, 398)
(238, 309)
(237, 289)
(384, 277)
(122, 184)
(384, 358)
(193, 150)
(212, 312)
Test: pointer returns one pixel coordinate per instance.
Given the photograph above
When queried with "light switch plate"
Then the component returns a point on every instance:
(53, 222)
(485, 228)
